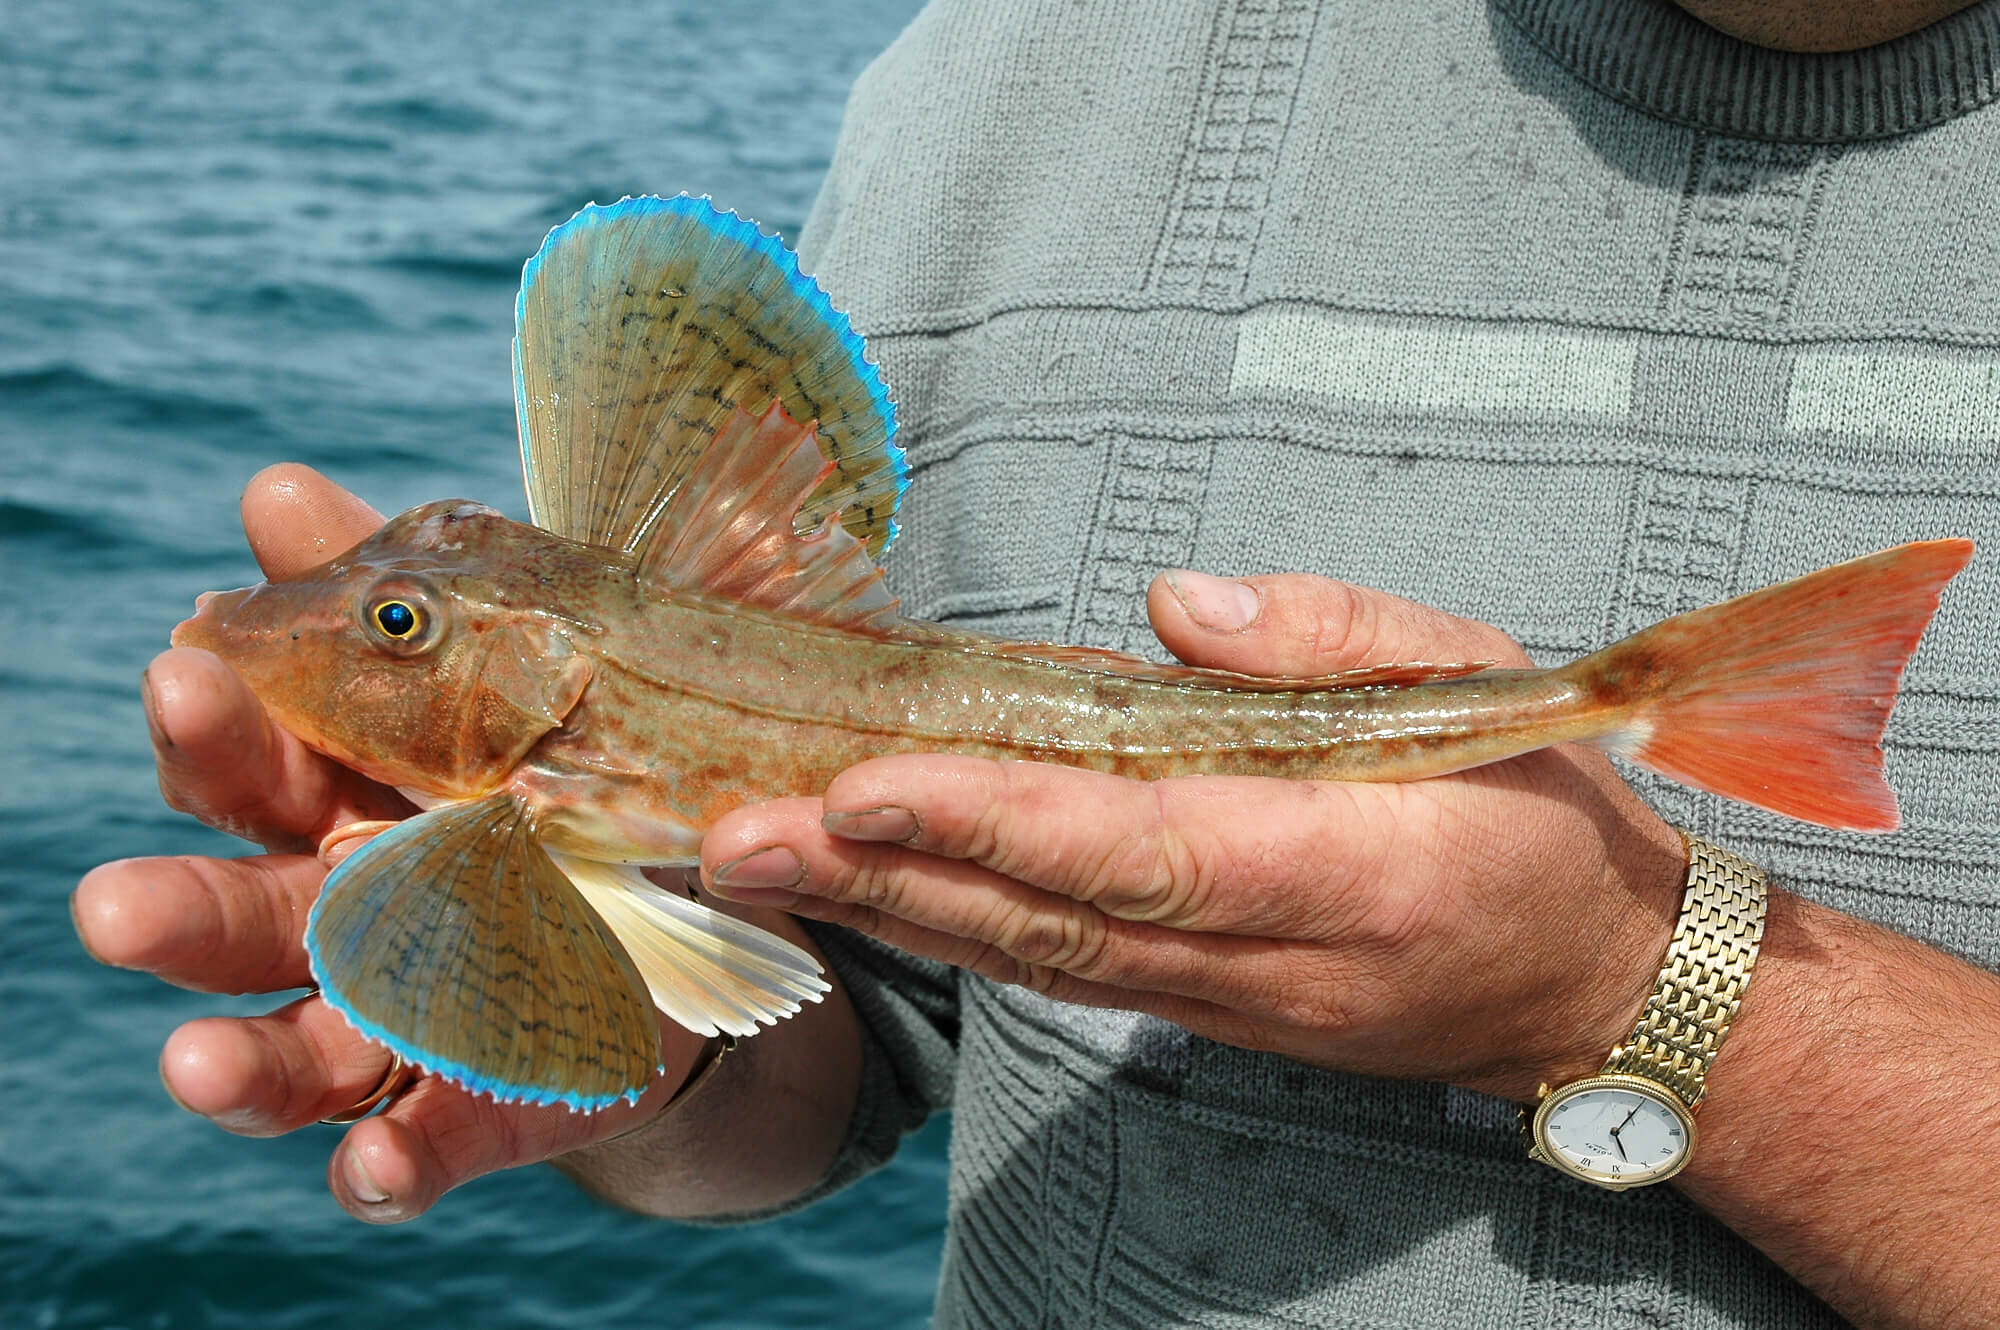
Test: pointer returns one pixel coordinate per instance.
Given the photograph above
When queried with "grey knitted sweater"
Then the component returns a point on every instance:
(1566, 315)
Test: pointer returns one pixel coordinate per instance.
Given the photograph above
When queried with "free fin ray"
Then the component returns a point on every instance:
(1779, 698)
(454, 940)
(709, 971)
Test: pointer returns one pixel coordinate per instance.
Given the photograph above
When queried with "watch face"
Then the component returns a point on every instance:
(1616, 1131)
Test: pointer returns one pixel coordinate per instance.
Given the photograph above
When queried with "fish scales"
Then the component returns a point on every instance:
(791, 705)
(695, 620)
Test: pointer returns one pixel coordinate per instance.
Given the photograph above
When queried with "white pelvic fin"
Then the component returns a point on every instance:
(710, 972)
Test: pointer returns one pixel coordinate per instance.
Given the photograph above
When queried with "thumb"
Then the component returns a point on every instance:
(1296, 625)
(298, 519)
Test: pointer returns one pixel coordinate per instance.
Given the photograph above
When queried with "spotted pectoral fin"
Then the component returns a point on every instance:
(709, 971)
(455, 940)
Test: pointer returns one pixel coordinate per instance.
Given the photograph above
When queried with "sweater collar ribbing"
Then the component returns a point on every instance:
(1655, 57)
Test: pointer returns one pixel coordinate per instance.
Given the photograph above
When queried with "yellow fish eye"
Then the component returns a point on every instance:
(402, 616)
(398, 619)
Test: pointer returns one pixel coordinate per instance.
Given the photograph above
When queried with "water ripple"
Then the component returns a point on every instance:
(294, 229)
(69, 392)
(426, 115)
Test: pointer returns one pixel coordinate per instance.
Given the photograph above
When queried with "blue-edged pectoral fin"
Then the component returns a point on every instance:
(455, 940)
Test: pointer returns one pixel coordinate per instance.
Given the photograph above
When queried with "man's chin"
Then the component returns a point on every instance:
(1820, 27)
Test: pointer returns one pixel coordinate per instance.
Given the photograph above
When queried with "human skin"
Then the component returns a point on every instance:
(1820, 26)
(1363, 936)
(235, 926)
(1425, 930)
(1860, 1063)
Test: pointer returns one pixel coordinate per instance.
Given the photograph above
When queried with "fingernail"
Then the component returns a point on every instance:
(359, 1181)
(762, 877)
(180, 1103)
(884, 823)
(151, 705)
(1216, 603)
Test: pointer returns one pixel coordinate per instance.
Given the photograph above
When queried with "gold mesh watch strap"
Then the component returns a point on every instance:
(1702, 981)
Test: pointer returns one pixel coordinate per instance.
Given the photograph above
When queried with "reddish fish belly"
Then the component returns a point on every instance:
(726, 710)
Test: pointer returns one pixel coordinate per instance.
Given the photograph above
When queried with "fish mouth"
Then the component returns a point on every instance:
(210, 626)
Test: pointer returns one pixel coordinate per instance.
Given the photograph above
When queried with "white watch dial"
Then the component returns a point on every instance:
(1617, 1132)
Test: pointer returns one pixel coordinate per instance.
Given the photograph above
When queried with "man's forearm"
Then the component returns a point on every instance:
(757, 1132)
(1851, 1117)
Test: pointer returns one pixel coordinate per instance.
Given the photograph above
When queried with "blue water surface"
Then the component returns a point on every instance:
(239, 231)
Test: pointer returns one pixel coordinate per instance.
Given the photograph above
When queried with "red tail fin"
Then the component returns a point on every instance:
(1779, 698)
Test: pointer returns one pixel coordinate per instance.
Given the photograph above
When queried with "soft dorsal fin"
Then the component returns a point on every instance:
(641, 327)
(729, 531)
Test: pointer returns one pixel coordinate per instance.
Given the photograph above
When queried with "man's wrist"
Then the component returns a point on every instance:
(1658, 1070)
(1618, 947)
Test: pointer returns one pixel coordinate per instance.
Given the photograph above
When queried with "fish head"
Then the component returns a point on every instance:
(424, 657)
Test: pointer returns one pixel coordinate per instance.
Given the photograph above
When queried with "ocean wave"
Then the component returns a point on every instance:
(435, 115)
(311, 141)
(79, 540)
(456, 267)
(66, 392)
(28, 521)
(309, 306)
(161, 343)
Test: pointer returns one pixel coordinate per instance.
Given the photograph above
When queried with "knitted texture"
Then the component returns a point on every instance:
(1563, 314)
(1716, 82)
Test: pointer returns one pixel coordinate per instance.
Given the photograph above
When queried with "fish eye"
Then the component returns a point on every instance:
(398, 619)
(401, 617)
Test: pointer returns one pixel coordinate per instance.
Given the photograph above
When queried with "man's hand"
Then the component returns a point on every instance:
(1495, 928)
(237, 925)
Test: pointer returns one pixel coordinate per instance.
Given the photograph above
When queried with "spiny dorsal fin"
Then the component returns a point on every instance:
(728, 530)
(455, 940)
(641, 327)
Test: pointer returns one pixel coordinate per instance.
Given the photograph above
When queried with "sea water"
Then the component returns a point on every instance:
(239, 231)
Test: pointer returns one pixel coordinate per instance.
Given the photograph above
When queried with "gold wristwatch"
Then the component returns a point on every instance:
(1632, 1124)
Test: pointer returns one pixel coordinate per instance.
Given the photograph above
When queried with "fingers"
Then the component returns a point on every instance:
(1216, 853)
(1187, 1002)
(436, 1137)
(214, 925)
(1298, 625)
(219, 755)
(971, 917)
(222, 759)
(268, 1075)
(271, 1074)
(297, 519)
(1040, 860)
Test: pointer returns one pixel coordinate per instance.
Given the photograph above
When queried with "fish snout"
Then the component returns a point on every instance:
(211, 623)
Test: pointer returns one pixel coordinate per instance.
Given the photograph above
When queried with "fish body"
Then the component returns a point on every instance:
(627, 720)
(695, 621)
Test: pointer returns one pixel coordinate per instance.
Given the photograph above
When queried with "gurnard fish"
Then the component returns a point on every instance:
(695, 620)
